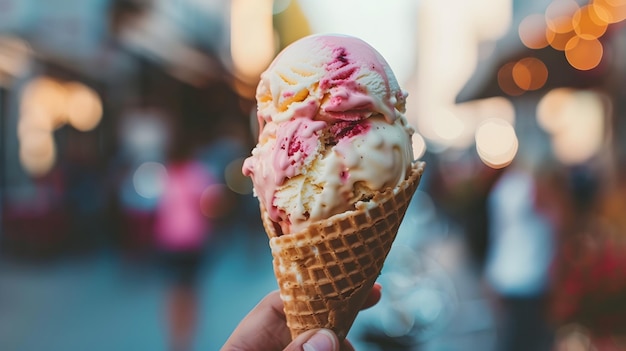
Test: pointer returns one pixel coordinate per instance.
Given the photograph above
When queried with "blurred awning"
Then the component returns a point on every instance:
(484, 82)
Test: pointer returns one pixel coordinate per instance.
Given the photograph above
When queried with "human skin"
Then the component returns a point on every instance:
(265, 329)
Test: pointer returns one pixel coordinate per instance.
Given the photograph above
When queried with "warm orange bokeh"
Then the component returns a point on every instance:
(530, 73)
(584, 54)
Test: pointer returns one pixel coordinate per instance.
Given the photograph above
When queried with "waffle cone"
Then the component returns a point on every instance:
(326, 271)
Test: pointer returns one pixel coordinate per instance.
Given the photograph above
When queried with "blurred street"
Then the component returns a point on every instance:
(100, 302)
(104, 301)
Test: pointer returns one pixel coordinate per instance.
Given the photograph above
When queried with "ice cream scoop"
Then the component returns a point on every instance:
(332, 131)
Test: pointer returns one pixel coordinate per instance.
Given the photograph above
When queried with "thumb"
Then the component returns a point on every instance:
(315, 340)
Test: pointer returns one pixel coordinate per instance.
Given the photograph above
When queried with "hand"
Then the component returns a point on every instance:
(265, 329)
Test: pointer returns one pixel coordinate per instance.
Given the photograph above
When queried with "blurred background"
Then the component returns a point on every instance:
(125, 222)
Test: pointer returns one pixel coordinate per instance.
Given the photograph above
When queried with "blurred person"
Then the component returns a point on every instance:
(460, 188)
(181, 234)
(265, 329)
(518, 261)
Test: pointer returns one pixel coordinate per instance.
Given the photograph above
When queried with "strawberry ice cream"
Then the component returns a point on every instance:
(332, 131)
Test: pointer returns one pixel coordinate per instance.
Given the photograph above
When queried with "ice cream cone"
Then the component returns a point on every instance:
(326, 271)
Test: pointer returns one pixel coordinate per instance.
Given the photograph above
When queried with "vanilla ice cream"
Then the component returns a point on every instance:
(332, 130)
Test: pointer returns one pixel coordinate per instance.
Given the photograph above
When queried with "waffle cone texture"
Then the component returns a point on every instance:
(326, 271)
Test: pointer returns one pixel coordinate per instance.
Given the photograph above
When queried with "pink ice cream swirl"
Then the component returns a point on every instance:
(349, 98)
(296, 143)
(313, 100)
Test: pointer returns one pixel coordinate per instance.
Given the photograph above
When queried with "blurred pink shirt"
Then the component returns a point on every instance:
(179, 223)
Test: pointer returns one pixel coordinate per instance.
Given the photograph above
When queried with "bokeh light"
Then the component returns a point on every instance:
(558, 40)
(150, 179)
(235, 180)
(37, 151)
(610, 11)
(252, 44)
(600, 12)
(14, 57)
(572, 28)
(559, 26)
(549, 115)
(84, 108)
(584, 54)
(215, 201)
(532, 31)
(506, 82)
(530, 73)
(587, 24)
(47, 94)
(47, 104)
(496, 143)
(558, 14)
(35, 118)
(583, 134)
(575, 121)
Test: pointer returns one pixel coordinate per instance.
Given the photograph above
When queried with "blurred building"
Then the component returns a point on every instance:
(74, 76)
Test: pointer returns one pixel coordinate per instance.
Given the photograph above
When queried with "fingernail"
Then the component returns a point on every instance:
(322, 340)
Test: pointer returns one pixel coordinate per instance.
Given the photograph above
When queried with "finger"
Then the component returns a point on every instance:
(263, 329)
(317, 340)
(373, 297)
